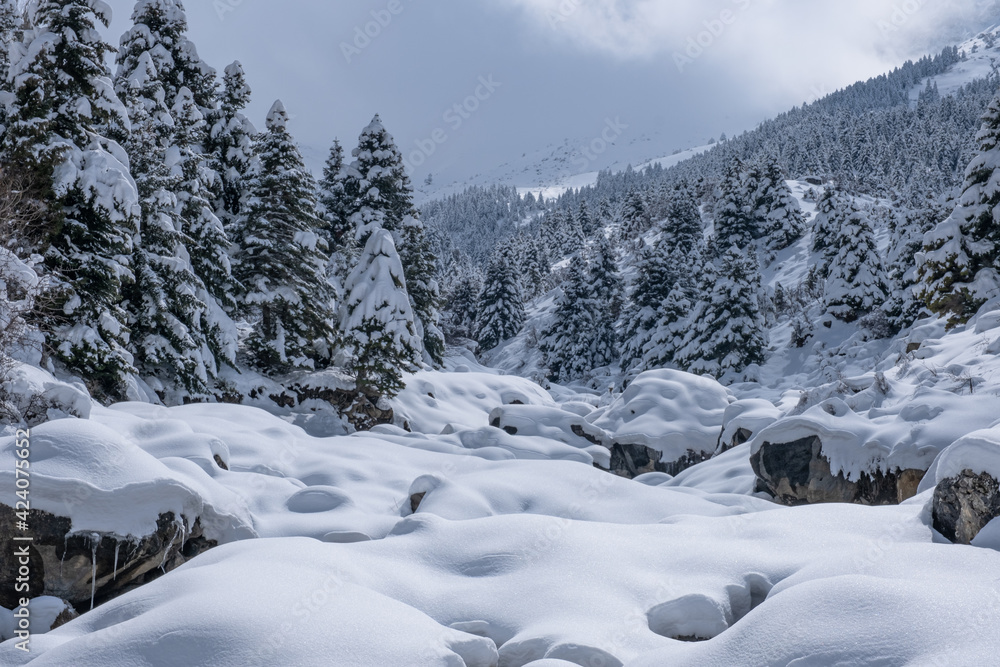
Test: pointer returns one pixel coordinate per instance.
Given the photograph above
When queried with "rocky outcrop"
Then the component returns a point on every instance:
(963, 505)
(797, 473)
(91, 568)
(363, 410)
(630, 461)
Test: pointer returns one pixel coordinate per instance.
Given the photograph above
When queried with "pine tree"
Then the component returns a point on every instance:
(856, 285)
(961, 258)
(10, 23)
(167, 303)
(685, 226)
(501, 304)
(635, 216)
(230, 146)
(376, 322)
(780, 218)
(570, 343)
(668, 333)
(462, 299)
(380, 196)
(333, 198)
(729, 333)
(64, 110)
(907, 237)
(607, 282)
(160, 29)
(658, 272)
(282, 260)
(833, 209)
(734, 215)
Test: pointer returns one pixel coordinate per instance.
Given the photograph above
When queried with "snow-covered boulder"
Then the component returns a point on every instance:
(106, 516)
(966, 490)
(665, 421)
(830, 453)
(32, 396)
(744, 419)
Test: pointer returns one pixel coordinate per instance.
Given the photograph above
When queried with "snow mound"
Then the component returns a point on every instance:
(105, 483)
(669, 411)
(433, 400)
(978, 452)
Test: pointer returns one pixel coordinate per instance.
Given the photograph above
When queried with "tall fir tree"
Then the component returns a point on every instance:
(167, 303)
(229, 146)
(501, 304)
(735, 223)
(668, 333)
(856, 285)
(960, 264)
(570, 344)
(63, 112)
(907, 232)
(780, 218)
(729, 332)
(685, 225)
(379, 196)
(160, 29)
(282, 260)
(334, 200)
(376, 322)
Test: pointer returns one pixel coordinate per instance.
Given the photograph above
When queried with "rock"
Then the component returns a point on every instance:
(797, 473)
(963, 505)
(63, 565)
(630, 461)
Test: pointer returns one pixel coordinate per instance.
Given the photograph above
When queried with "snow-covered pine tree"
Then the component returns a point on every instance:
(961, 258)
(833, 209)
(669, 331)
(376, 322)
(780, 218)
(635, 216)
(167, 303)
(607, 282)
(230, 147)
(334, 200)
(587, 223)
(282, 261)
(570, 344)
(735, 223)
(160, 29)
(657, 272)
(501, 303)
(856, 285)
(380, 196)
(63, 112)
(685, 226)
(462, 299)
(10, 22)
(376, 185)
(907, 232)
(208, 243)
(729, 333)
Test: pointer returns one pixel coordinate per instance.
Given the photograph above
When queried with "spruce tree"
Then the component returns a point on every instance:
(735, 223)
(668, 333)
(462, 299)
(167, 304)
(729, 331)
(334, 200)
(635, 216)
(780, 218)
(501, 304)
(160, 29)
(570, 343)
(833, 209)
(907, 238)
(230, 148)
(856, 284)
(379, 196)
(685, 226)
(282, 260)
(961, 258)
(10, 23)
(63, 112)
(658, 271)
(376, 322)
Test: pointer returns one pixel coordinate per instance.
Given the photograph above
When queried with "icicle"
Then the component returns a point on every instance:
(166, 552)
(95, 541)
(118, 544)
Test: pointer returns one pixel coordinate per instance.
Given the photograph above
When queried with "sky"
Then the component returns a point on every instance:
(465, 85)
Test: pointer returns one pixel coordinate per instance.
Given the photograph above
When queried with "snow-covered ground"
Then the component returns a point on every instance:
(518, 551)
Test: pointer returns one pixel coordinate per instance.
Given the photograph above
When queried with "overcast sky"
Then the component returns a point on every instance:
(553, 69)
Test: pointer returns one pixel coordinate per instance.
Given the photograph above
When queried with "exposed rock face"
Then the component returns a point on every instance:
(362, 410)
(64, 565)
(963, 505)
(630, 461)
(741, 437)
(797, 473)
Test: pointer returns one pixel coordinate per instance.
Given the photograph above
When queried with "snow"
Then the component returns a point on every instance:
(670, 411)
